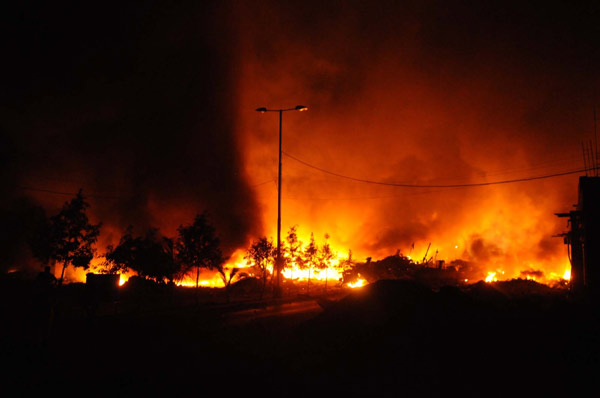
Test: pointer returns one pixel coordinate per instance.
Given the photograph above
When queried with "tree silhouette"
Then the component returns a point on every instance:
(325, 256)
(198, 246)
(122, 258)
(310, 258)
(150, 256)
(71, 237)
(261, 253)
(294, 249)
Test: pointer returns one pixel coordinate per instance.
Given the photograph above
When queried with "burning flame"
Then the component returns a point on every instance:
(213, 282)
(491, 277)
(359, 283)
(334, 273)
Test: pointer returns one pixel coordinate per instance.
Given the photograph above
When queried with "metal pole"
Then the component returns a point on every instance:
(277, 292)
(279, 259)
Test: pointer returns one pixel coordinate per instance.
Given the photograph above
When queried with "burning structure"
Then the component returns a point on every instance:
(583, 238)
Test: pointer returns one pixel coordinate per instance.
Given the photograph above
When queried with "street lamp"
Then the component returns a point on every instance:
(278, 260)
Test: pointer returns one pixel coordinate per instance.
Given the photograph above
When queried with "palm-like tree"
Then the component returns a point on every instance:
(228, 279)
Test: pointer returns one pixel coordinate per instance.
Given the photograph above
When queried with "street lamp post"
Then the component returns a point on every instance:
(278, 259)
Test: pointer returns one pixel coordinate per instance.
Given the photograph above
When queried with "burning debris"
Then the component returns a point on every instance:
(196, 251)
(532, 274)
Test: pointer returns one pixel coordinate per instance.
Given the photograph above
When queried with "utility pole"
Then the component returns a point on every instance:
(279, 259)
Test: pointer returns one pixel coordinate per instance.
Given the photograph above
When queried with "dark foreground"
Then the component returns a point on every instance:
(390, 338)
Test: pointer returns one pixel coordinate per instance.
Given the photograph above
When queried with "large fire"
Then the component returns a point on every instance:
(394, 117)
(404, 113)
(333, 275)
(548, 272)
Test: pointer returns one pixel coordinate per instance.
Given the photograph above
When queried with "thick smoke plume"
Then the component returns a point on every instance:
(430, 93)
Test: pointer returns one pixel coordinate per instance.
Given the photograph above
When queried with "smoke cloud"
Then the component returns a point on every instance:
(430, 93)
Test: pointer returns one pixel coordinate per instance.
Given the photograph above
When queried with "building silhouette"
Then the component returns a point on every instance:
(583, 239)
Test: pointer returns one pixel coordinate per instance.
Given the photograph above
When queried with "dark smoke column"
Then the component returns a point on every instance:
(278, 262)
(132, 104)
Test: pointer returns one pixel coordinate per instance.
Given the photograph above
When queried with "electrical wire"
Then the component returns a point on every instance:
(366, 181)
(405, 185)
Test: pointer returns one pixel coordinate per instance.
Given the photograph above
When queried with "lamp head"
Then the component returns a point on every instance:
(261, 110)
(301, 108)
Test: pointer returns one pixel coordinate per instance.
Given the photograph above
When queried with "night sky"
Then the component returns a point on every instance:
(149, 108)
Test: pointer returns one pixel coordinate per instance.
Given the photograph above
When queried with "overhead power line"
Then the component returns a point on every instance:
(67, 193)
(405, 185)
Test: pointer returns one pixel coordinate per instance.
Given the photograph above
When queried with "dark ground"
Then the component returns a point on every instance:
(390, 338)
